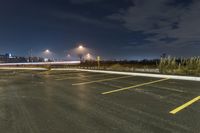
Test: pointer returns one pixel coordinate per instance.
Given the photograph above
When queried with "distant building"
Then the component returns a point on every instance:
(35, 59)
(8, 58)
(8, 55)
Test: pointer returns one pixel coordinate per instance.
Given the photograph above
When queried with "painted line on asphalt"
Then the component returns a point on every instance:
(131, 87)
(95, 75)
(64, 74)
(49, 73)
(167, 88)
(102, 80)
(176, 110)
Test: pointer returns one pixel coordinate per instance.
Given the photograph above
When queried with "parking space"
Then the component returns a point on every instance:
(75, 101)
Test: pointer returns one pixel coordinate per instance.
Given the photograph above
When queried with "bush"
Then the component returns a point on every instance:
(116, 67)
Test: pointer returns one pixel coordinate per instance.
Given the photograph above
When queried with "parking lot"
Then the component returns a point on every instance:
(86, 102)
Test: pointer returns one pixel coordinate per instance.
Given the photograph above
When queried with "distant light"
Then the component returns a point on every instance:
(88, 55)
(80, 47)
(10, 55)
(68, 55)
(46, 59)
(47, 51)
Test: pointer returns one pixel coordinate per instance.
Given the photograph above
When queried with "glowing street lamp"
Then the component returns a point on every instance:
(88, 56)
(68, 57)
(80, 47)
(80, 51)
(47, 51)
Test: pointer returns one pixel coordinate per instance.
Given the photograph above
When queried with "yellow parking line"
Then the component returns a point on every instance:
(184, 105)
(130, 87)
(96, 81)
(82, 76)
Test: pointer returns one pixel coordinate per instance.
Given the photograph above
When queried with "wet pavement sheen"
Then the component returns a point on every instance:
(36, 102)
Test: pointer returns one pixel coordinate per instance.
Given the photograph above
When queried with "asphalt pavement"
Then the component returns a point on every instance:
(86, 102)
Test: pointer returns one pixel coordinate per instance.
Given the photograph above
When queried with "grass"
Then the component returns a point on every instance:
(182, 66)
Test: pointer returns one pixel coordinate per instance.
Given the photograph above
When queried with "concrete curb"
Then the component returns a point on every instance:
(42, 63)
(190, 78)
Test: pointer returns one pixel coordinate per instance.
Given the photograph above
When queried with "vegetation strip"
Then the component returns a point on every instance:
(131, 87)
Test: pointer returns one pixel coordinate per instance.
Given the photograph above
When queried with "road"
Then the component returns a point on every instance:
(85, 102)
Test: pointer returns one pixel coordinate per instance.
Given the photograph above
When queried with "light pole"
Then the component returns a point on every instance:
(98, 61)
(47, 53)
(80, 52)
(30, 56)
(88, 56)
(68, 57)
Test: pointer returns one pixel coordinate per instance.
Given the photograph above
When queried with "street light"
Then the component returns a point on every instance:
(47, 51)
(80, 47)
(68, 57)
(98, 61)
(80, 51)
(47, 54)
(88, 56)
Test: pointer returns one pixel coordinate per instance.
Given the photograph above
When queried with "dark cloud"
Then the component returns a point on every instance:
(65, 16)
(83, 1)
(173, 23)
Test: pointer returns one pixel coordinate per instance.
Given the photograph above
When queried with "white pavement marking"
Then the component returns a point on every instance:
(101, 80)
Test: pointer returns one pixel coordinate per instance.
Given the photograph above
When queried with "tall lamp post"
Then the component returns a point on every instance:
(47, 52)
(98, 61)
(88, 56)
(80, 52)
(30, 56)
(68, 57)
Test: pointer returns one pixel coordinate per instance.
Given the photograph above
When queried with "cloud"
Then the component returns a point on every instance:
(83, 1)
(83, 19)
(172, 24)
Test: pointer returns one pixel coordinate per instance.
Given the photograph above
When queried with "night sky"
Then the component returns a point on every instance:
(114, 29)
